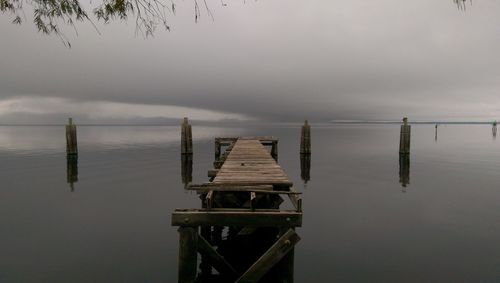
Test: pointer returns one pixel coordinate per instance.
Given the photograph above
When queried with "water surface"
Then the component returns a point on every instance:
(360, 223)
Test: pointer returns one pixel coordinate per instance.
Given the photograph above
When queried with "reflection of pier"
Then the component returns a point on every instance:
(72, 170)
(240, 231)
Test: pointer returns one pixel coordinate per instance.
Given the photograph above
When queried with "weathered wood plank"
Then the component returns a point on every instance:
(236, 218)
(188, 254)
(272, 256)
(217, 261)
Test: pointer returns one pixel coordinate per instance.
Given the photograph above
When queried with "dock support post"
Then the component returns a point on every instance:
(186, 137)
(217, 149)
(71, 143)
(494, 129)
(305, 138)
(186, 169)
(405, 136)
(274, 150)
(188, 254)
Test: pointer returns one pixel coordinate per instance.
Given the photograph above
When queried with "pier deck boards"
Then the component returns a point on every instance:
(244, 197)
(249, 163)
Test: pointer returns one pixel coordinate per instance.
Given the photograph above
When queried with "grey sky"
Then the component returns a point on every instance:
(283, 60)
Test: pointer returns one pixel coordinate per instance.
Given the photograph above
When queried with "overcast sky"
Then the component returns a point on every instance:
(280, 60)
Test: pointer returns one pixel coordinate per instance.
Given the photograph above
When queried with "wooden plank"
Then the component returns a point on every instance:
(271, 257)
(188, 254)
(296, 200)
(209, 199)
(190, 217)
(217, 261)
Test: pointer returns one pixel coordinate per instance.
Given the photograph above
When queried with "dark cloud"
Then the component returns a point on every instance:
(282, 60)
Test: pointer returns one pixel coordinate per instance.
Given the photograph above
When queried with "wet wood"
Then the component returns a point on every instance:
(186, 137)
(71, 141)
(249, 163)
(270, 258)
(236, 218)
(188, 254)
(217, 261)
(405, 136)
(305, 138)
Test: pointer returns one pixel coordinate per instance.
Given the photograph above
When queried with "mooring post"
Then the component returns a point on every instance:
(188, 254)
(274, 150)
(405, 136)
(71, 143)
(494, 129)
(217, 149)
(186, 137)
(305, 138)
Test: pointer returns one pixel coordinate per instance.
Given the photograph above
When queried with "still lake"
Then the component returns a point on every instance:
(360, 224)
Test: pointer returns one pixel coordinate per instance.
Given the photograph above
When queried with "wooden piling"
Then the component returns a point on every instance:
(405, 136)
(274, 150)
(71, 142)
(188, 254)
(494, 128)
(186, 137)
(305, 138)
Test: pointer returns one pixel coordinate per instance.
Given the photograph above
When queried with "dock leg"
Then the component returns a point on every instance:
(305, 138)
(188, 254)
(405, 136)
(71, 142)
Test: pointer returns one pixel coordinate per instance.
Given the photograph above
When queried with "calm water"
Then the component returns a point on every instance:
(360, 224)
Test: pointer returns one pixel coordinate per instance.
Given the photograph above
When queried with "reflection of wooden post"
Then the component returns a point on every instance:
(305, 138)
(186, 138)
(71, 143)
(186, 168)
(305, 167)
(72, 170)
(405, 136)
(188, 254)
(404, 169)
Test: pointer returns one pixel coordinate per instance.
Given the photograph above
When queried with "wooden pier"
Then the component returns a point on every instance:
(240, 230)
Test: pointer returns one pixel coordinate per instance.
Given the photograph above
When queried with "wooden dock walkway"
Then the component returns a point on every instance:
(249, 163)
(244, 196)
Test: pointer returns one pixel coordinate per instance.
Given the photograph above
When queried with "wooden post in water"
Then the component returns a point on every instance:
(71, 143)
(494, 129)
(305, 138)
(404, 141)
(186, 138)
(274, 150)
(188, 254)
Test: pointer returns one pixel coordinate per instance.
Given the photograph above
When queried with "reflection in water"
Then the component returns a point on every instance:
(72, 170)
(404, 170)
(186, 168)
(305, 167)
(436, 133)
